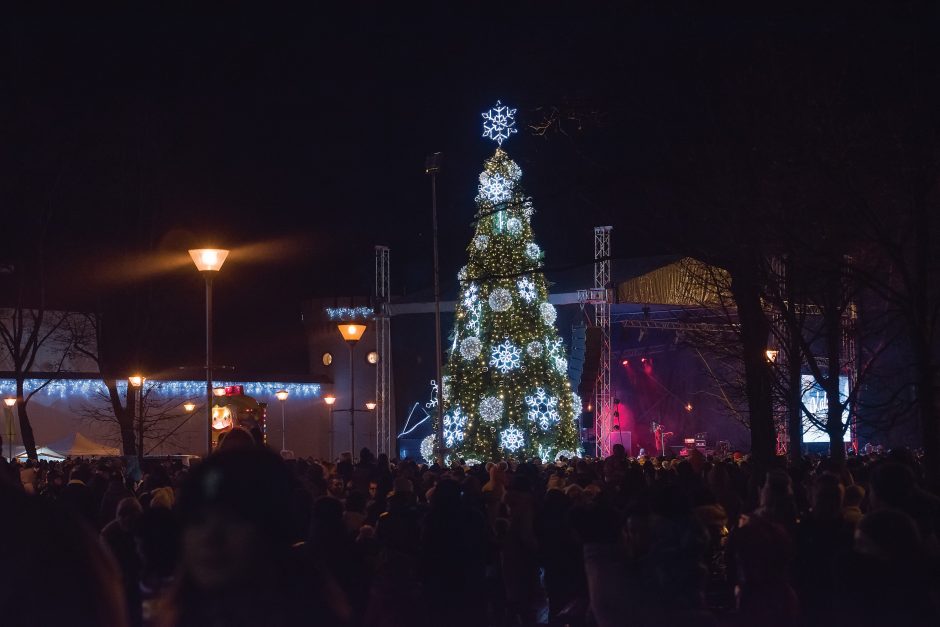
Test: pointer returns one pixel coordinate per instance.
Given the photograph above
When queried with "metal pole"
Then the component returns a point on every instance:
(437, 309)
(331, 434)
(140, 422)
(208, 363)
(283, 428)
(352, 402)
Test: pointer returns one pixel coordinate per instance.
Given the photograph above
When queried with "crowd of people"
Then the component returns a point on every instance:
(246, 538)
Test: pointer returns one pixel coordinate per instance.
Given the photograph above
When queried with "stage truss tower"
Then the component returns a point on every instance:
(384, 433)
(600, 297)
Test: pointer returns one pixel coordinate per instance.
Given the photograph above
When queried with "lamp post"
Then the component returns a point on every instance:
(329, 399)
(352, 333)
(432, 166)
(189, 407)
(208, 261)
(137, 382)
(282, 397)
(10, 403)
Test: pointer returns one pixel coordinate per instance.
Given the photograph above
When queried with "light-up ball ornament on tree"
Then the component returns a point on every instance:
(526, 289)
(480, 241)
(470, 348)
(578, 405)
(549, 314)
(561, 365)
(511, 439)
(534, 349)
(427, 449)
(532, 251)
(566, 454)
(514, 226)
(500, 299)
(491, 408)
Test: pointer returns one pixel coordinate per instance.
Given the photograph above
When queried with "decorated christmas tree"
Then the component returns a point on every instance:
(506, 391)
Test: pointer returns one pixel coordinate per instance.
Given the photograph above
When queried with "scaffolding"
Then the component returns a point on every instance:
(600, 297)
(384, 431)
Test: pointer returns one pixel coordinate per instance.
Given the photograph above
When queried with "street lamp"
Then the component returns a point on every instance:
(352, 333)
(282, 397)
(370, 405)
(189, 407)
(329, 399)
(137, 382)
(10, 403)
(208, 261)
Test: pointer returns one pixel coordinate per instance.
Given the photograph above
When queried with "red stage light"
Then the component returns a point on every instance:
(625, 362)
(643, 360)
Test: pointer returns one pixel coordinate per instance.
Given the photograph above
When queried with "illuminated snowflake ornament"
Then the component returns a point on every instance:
(427, 449)
(514, 226)
(481, 240)
(534, 349)
(577, 405)
(454, 424)
(505, 357)
(491, 408)
(499, 123)
(470, 348)
(500, 299)
(494, 187)
(527, 208)
(462, 273)
(532, 251)
(526, 289)
(561, 365)
(545, 453)
(471, 296)
(549, 314)
(511, 439)
(543, 409)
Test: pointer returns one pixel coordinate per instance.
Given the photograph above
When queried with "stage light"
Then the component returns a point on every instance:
(590, 407)
(688, 407)
(625, 363)
(643, 360)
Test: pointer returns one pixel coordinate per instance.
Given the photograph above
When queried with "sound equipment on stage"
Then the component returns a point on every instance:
(622, 437)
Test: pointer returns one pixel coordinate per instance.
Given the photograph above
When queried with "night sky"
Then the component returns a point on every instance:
(298, 140)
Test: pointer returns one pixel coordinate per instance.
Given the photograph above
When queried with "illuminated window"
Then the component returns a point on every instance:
(327, 359)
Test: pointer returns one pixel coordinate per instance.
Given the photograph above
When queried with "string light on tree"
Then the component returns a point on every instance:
(534, 349)
(427, 449)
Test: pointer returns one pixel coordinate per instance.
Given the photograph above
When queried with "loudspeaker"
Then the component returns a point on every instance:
(576, 355)
(592, 356)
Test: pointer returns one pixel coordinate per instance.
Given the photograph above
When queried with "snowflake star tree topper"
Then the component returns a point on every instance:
(499, 123)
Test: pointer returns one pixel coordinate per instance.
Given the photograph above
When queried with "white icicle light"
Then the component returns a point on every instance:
(534, 349)
(549, 314)
(491, 408)
(470, 348)
(500, 299)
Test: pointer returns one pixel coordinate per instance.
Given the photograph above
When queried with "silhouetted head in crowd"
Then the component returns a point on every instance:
(236, 440)
(888, 535)
(128, 509)
(36, 540)
(235, 509)
(827, 496)
(892, 485)
(81, 472)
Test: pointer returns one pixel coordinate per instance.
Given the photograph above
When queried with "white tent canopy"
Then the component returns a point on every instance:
(74, 445)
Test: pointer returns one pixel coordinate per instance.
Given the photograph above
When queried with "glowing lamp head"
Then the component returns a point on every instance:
(771, 355)
(329, 399)
(370, 405)
(218, 391)
(625, 363)
(208, 259)
(189, 407)
(9, 401)
(136, 380)
(688, 407)
(352, 332)
(281, 395)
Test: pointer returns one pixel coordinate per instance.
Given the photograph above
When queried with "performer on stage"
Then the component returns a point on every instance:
(659, 438)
